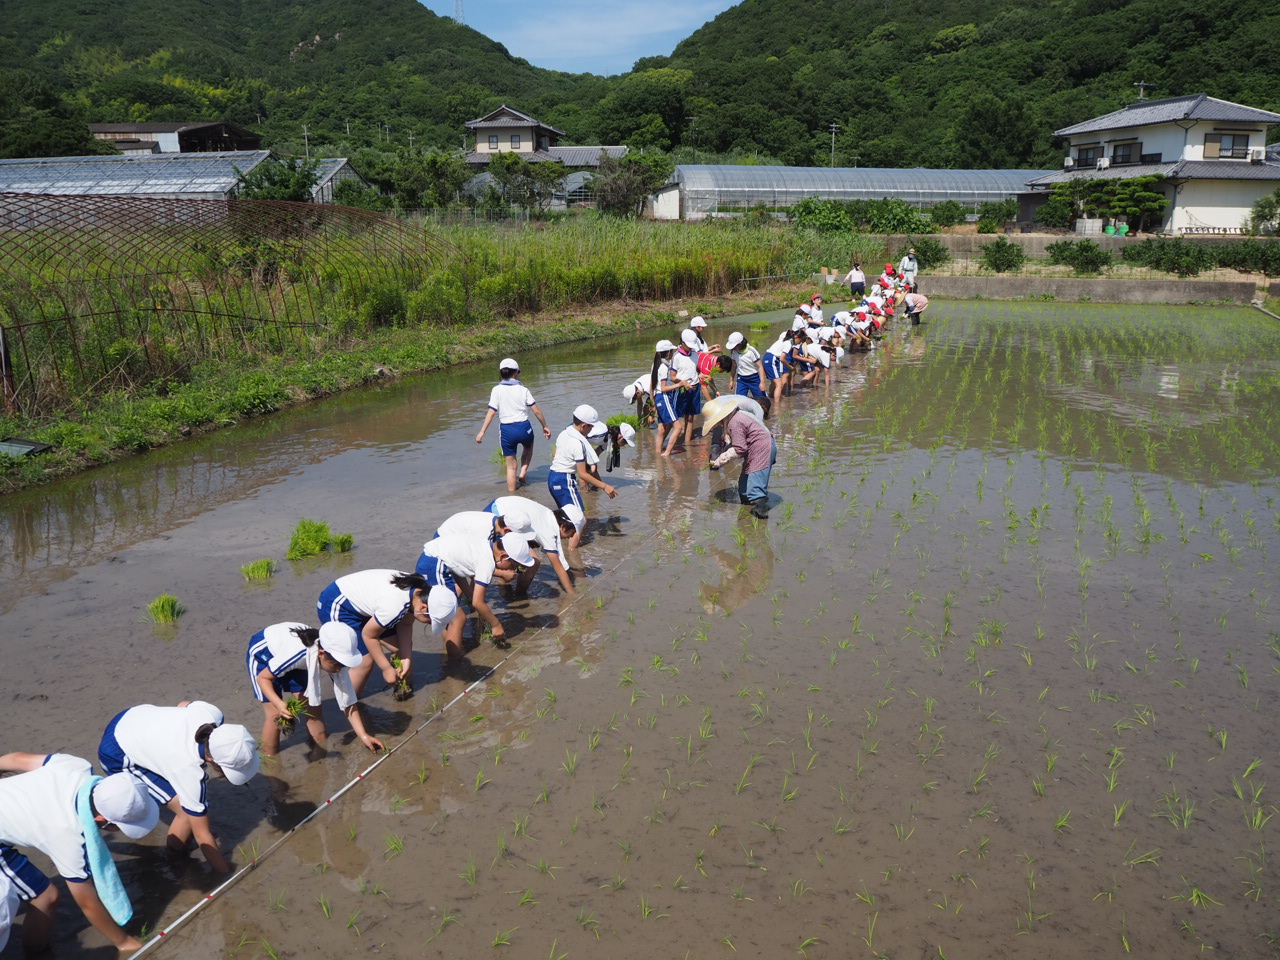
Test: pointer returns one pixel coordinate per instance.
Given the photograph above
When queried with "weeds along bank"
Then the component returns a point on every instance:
(249, 327)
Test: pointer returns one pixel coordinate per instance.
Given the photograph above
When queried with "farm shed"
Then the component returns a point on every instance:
(708, 190)
(188, 176)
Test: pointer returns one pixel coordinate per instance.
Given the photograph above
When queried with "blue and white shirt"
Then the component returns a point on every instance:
(162, 740)
(572, 448)
(511, 400)
(370, 594)
(466, 556)
(279, 651)
(38, 810)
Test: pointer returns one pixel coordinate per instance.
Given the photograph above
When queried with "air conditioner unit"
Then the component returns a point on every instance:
(1257, 154)
(1067, 163)
(1103, 163)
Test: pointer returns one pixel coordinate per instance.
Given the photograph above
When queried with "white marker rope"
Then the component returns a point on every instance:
(280, 841)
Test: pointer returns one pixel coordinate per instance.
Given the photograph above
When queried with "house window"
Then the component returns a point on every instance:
(493, 142)
(1126, 153)
(1087, 156)
(515, 141)
(1152, 157)
(1233, 146)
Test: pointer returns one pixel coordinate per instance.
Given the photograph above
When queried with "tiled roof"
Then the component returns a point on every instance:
(1180, 170)
(518, 118)
(1195, 107)
(501, 122)
(569, 156)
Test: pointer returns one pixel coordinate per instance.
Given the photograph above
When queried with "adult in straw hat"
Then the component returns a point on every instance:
(750, 439)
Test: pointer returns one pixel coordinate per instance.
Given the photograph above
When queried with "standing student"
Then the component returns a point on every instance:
(381, 607)
(699, 327)
(468, 563)
(549, 529)
(857, 281)
(814, 315)
(777, 366)
(510, 401)
(56, 805)
(572, 457)
(665, 390)
(748, 368)
(167, 748)
(684, 366)
(745, 437)
(288, 659)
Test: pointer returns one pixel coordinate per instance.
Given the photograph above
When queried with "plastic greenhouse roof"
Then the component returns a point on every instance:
(794, 183)
(150, 175)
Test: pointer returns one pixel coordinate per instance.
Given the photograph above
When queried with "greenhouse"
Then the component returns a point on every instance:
(699, 191)
(196, 176)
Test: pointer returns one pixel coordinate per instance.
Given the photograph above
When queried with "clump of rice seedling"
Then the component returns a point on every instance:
(259, 570)
(403, 689)
(760, 325)
(310, 537)
(165, 608)
(296, 706)
(620, 418)
(343, 542)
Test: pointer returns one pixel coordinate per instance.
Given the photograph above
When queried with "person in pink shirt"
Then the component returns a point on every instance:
(916, 304)
(750, 439)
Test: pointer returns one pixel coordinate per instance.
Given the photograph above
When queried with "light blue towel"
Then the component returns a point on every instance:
(101, 866)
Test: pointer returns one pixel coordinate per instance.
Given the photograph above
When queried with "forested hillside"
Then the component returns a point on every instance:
(967, 83)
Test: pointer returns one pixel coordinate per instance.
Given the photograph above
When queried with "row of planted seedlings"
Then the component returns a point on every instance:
(981, 695)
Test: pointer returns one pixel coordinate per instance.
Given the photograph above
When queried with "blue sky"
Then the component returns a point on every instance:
(585, 36)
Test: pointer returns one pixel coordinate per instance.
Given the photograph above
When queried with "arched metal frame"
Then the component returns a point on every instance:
(166, 283)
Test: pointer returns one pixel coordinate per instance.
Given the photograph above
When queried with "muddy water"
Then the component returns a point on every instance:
(1000, 664)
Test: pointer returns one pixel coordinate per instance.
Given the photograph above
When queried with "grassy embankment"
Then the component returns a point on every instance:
(505, 289)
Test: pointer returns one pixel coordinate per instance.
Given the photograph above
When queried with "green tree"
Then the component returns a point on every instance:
(947, 213)
(622, 184)
(287, 179)
(352, 193)
(429, 179)
(525, 184)
(35, 123)
(1136, 199)
(1264, 215)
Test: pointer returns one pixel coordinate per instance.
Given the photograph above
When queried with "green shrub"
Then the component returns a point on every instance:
(1002, 256)
(895, 215)
(947, 214)
(930, 251)
(1057, 211)
(987, 225)
(1172, 255)
(999, 210)
(1250, 256)
(1082, 256)
(824, 216)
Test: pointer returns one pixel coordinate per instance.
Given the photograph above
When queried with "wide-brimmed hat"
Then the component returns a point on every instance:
(715, 410)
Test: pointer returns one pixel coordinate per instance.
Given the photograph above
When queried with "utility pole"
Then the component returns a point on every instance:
(306, 141)
(348, 128)
(856, 158)
(693, 131)
(1142, 90)
(834, 127)
(411, 141)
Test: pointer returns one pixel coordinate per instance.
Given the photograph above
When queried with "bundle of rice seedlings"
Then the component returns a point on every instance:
(259, 570)
(310, 537)
(165, 608)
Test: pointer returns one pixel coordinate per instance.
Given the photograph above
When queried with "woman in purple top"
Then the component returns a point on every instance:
(746, 437)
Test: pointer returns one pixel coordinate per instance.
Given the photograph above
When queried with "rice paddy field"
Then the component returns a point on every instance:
(998, 679)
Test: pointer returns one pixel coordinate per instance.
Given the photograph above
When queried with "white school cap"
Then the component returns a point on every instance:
(213, 714)
(585, 413)
(697, 322)
(735, 338)
(689, 338)
(518, 521)
(627, 434)
(8, 908)
(442, 607)
(339, 641)
(125, 802)
(233, 748)
(598, 429)
(517, 547)
(507, 364)
(629, 392)
(663, 346)
(575, 515)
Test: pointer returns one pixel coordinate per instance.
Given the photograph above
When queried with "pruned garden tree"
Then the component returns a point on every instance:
(1264, 216)
(622, 184)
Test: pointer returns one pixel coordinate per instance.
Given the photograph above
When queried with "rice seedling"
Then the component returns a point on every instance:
(258, 570)
(324, 907)
(469, 872)
(165, 608)
(1195, 896)
(395, 845)
(502, 938)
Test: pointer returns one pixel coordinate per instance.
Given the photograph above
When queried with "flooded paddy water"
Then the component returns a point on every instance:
(998, 678)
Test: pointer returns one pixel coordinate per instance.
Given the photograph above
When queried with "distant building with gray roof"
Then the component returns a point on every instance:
(507, 130)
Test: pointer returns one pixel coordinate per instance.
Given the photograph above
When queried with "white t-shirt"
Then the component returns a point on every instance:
(163, 739)
(816, 352)
(286, 652)
(546, 532)
(473, 524)
(371, 593)
(467, 556)
(641, 383)
(512, 400)
(779, 347)
(815, 316)
(684, 367)
(746, 358)
(38, 809)
(572, 448)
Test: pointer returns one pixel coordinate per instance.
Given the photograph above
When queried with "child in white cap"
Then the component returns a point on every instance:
(381, 606)
(56, 805)
(288, 659)
(510, 401)
(472, 563)
(166, 748)
(549, 529)
(699, 326)
(574, 454)
(666, 387)
(637, 392)
(748, 367)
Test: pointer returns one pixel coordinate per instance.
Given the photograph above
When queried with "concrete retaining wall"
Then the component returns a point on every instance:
(968, 246)
(1100, 291)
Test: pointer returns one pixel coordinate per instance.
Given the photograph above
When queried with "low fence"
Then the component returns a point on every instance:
(1098, 291)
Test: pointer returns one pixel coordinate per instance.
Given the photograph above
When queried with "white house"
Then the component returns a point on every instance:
(1212, 154)
(507, 130)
